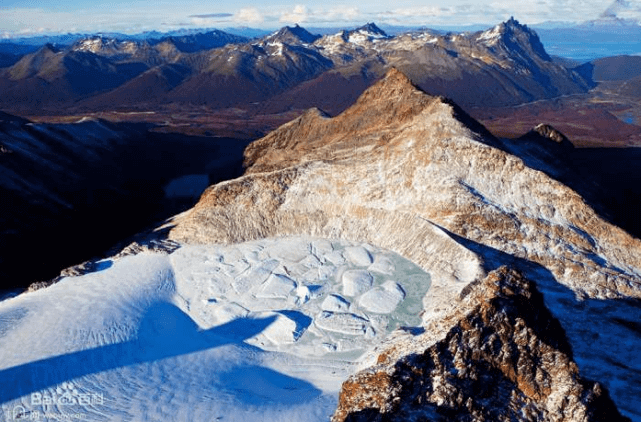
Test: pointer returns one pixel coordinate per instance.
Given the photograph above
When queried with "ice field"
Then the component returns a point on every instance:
(264, 330)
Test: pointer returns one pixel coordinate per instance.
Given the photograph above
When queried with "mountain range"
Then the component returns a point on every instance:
(508, 64)
(380, 257)
(290, 286)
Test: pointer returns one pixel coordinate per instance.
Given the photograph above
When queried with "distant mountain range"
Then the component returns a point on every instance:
(292, 67)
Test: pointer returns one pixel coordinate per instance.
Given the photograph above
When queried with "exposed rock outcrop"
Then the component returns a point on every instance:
(504, 358)
(414, 174)
(547, 132)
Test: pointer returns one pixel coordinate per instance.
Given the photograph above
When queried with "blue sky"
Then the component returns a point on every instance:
(22, 17)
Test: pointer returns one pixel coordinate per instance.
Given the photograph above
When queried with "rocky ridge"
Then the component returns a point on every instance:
(500, 356)
(414, 174)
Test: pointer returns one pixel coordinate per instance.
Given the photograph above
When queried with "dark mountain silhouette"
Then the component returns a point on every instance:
(292, 35)
(89, 185)
(51, 76)
(617, 68)
(249, 73)
(201, 41)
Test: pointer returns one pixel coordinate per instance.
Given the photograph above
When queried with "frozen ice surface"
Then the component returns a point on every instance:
(277, 286)
(282, 330)
(335, 257)
(230, 311)
(383, 299)
(358, 255)
(335, 303)
(321, 247)
(382, 264)
(356, 282)
(343, 323)
(265, 330)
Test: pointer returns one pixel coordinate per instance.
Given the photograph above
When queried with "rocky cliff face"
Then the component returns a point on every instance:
(414, 174)
(504, 358)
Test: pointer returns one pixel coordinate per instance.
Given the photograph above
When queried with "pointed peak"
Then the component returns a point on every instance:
(395, 78)
(503, 29)
(396, 75)
(513, 23)
(512, 35)
(394, 85)
(371, 28)
(545, 132)
(293, 35)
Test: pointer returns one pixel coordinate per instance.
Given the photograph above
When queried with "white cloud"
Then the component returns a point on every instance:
(140, 16)
(205, 22)
(298, 15)
(27, 21)
(423, 11)
(345, 13)
(338, 14)
(494, 11)
(248, 15)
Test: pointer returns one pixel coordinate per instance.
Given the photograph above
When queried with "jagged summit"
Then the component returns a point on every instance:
(370, 29)
(292, 35)
(393, 85)
(390, 104)
(512, 36)
(446, 377)
(107, 46)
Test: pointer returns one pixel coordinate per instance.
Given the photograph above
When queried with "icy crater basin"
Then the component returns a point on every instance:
(326, 296)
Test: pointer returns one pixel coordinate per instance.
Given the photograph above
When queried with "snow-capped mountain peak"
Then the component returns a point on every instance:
(105, 46)
(292, 35)
(514, 37)
(366, 33)
(623, 10)
(491, 36)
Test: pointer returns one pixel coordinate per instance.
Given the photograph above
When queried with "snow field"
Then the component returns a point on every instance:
(263, 331)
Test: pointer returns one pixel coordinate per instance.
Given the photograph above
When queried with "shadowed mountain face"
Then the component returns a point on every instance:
(414, 174)
(50, 76)
(505, 65)
(618, 68)
(70, 191)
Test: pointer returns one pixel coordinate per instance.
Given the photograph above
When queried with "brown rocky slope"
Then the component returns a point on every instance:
(414, 174)
(504, 358)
